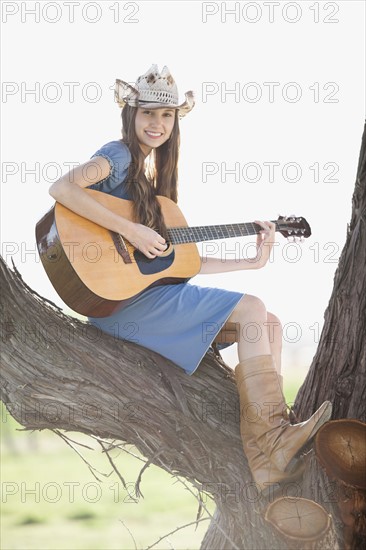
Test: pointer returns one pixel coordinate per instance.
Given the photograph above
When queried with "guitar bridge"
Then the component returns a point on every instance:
(121, 247)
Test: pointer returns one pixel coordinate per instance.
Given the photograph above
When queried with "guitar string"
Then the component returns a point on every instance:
(185, 234)
(180, 235)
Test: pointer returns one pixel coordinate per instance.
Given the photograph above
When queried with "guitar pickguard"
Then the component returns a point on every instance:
(149, 266)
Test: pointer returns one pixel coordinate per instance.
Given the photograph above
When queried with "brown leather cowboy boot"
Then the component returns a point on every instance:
(265, 474)
(279, 440)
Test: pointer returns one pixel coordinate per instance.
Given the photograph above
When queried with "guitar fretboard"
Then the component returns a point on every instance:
(180, 235)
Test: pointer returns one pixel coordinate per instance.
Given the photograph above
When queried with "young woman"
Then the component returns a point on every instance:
(172, 319)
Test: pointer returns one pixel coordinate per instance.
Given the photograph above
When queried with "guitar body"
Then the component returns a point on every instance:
(94, 271)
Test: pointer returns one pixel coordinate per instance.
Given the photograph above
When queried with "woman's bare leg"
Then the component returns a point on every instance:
(274, 329)
(260, 331)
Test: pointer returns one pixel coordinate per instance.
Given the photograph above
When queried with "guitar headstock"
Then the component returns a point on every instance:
(292, 226)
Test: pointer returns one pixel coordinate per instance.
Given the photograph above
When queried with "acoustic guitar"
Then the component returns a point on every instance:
(97, 272)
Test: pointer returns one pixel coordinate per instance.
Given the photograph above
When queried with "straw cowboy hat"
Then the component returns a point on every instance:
(153, 90)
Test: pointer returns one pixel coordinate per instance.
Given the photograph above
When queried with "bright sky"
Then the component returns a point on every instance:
(277, 128)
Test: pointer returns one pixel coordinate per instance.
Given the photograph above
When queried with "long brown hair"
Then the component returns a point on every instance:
(158, 177)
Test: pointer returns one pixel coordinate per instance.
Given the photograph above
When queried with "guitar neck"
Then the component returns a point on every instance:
(180, 235)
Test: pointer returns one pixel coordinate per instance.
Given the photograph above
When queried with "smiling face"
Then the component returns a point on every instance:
(153, 127)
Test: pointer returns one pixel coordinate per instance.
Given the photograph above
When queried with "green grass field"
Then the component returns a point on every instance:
(51, 500)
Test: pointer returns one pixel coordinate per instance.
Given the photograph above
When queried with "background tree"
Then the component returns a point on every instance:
(189, 426)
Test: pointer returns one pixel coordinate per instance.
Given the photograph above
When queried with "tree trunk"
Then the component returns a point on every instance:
(338, 370)
(61, 373)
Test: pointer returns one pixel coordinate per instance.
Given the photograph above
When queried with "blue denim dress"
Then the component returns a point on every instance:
(179, 321)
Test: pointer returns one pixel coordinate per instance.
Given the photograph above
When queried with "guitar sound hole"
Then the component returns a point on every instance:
(148, 266)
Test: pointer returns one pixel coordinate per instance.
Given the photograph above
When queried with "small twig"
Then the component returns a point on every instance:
(91, 468)
(121, 446)
(179, 480)
(76, 442)
(113, 465)
(200, 508)
(127, 529)
(97, 438)
(203, 506)
(175, 530)
(132, 454)
(146, 465)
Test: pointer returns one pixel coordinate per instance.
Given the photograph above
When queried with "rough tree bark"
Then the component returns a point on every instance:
(60, 373)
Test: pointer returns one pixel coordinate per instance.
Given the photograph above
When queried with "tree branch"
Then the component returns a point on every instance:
(60, 373)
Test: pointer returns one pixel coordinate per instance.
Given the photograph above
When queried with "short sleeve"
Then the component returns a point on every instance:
(119, 158)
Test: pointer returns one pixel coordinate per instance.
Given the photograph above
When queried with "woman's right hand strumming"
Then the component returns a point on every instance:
(145, 239)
